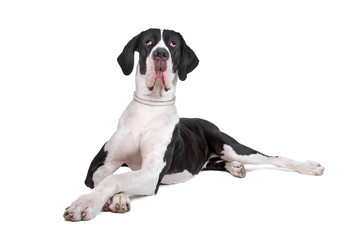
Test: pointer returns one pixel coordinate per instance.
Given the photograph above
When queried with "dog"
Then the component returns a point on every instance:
(151, 139)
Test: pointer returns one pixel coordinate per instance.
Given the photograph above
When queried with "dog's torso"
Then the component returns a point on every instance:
(187, 143)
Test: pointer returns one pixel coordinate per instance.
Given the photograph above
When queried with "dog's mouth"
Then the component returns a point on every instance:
(160, 65)
(159, 73)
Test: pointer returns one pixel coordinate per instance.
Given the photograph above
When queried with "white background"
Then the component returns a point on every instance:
(279, 76)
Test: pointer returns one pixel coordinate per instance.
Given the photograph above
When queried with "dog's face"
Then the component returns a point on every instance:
(163, 55)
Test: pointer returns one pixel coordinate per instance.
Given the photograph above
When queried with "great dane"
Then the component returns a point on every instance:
(151, 139)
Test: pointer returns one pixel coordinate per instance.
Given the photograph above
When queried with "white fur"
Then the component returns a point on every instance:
(235, 168)
(119, 203)
(177, 177)
(304, 167)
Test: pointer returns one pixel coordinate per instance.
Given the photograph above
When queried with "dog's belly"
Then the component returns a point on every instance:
(176, 177)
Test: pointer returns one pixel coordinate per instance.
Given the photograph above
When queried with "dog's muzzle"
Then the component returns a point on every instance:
(160, 58)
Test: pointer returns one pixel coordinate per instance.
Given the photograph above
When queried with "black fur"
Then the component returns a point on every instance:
(188, 61)
(184, 58)
(193, 141)
(138, 43)
(215, 163)
(97, 162)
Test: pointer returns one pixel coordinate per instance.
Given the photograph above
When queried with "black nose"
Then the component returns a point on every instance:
(161, 54)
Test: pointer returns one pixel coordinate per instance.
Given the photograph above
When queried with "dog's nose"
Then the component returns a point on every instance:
(161, 54)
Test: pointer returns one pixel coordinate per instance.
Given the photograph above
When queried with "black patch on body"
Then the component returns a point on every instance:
(168, 156)
(97, 162)
(193, 141)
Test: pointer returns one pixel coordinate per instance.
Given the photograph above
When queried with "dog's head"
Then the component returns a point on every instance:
(163, 55)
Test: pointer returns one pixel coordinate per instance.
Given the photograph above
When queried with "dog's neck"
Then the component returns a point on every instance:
(158, 96)
(154, 102)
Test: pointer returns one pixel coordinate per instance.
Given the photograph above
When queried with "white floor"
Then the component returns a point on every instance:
(268, 203)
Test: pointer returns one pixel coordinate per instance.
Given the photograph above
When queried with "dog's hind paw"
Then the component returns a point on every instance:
(236, 169)
(310, 168)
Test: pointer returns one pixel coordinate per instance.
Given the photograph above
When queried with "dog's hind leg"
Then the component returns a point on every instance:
(232, 151)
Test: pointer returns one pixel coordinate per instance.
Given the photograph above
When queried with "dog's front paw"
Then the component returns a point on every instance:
(119, 203)
(83, 209)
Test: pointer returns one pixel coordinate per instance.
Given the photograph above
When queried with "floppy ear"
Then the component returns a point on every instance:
(126, 58)
(188, 61)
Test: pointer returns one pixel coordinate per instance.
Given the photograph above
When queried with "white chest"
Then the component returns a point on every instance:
(143, 130)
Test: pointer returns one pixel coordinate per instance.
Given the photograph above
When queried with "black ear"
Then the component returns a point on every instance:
(126, 58)
(188, 61)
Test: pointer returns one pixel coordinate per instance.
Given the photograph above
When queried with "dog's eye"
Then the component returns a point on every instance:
(172, 43)
(148, 42)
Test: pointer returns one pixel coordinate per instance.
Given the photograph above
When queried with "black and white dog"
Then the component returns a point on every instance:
(158, 146)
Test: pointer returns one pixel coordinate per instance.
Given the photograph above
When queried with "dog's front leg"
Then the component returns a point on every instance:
(155, 160)
(141, 182)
